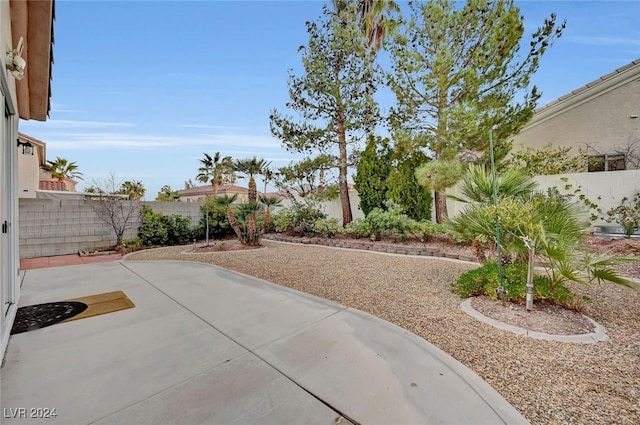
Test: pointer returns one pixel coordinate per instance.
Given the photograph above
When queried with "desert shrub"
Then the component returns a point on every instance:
(627, 214)
(160, 229)
(132, 245)
(392, 223)
(424, 230)
(327, 227)
(360, 228)
(485, 281)
(300, 218)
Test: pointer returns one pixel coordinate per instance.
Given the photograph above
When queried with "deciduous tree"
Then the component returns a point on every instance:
(114, 208)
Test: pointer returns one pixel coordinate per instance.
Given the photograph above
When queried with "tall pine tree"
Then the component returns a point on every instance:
(334, 97)
(458, 71)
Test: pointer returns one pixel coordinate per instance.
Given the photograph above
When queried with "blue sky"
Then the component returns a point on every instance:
(142, 88)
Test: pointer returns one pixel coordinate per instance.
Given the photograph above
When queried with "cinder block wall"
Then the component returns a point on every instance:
(65, 226)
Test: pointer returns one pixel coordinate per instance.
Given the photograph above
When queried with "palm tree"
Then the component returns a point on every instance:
(226, 200)
(62, 169)
(215, 170)
(268, 202)
(477, 185)
(251, 167)
(134, 189)
(268, 175)
(376, 22)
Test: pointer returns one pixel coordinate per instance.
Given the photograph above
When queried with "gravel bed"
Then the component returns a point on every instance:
(548, 382)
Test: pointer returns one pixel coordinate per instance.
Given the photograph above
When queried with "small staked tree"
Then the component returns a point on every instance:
(334, 97)
(62, 169)
(114, 208)
(458, 71)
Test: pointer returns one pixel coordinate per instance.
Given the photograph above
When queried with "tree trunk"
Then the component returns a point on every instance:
(267, 221)
(233, 222)
(441, 205)
(342, 179)
(253, 190)
(215, 187)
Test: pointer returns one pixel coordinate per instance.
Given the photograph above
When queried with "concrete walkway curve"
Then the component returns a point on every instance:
(205, 345)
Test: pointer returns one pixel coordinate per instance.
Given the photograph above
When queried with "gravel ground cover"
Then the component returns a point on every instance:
(548, 382)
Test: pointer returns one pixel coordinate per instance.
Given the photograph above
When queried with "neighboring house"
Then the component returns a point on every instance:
(32, 179)
(200, 193)
(28, 99)
(602, 117)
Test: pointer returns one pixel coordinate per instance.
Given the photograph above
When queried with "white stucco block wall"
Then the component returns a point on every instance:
(333, 208)
(609, 186)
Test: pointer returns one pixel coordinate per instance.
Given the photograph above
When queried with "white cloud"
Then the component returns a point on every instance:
(605, 41)
(86, 124)
(221, 127)
(221, 142)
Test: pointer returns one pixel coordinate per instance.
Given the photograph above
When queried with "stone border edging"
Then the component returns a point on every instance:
(366, 245)
(600, 334)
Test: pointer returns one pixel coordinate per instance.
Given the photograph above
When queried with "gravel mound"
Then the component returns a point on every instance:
(548, 382)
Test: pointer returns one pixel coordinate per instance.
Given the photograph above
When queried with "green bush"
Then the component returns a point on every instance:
(359, 228)
(426, 229)
(219, 227)
(152, 232)
(378, 223)
(327, 227)
(299, 219)
(132, 245)
(485, 281)
(158, 229)
(178, 229)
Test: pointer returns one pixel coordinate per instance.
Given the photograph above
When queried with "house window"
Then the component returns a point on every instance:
(607, 162)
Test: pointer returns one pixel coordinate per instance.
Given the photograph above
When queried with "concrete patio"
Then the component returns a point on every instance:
(209, 346)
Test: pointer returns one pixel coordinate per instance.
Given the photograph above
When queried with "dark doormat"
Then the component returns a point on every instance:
(41, 315)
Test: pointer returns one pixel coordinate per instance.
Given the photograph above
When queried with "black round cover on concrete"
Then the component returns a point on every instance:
(40, 315)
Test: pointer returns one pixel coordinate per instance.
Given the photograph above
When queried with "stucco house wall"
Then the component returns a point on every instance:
(603, 115)
(29, 167)
(200, 193)
(28, 99)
